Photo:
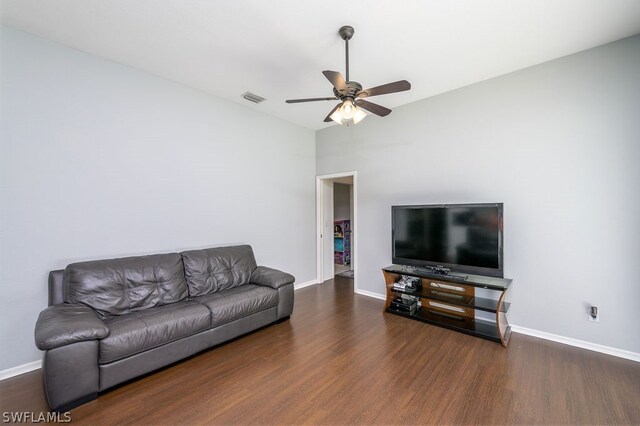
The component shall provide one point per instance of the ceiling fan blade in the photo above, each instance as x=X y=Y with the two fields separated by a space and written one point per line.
x=373 y=108
x=336 y=79
x=327 y=119
x=297 y=101
x=396 y=86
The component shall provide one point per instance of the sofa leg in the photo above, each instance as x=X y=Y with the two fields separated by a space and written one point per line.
x=281 y=320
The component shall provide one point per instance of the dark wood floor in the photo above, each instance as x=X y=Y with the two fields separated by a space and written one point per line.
x=340 y=360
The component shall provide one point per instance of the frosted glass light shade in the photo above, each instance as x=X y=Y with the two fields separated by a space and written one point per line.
x=336 y=116
x=347 y=110
x=359 y=115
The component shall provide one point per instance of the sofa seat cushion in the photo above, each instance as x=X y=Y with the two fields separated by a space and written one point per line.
x=140 y=331
x=238 y=302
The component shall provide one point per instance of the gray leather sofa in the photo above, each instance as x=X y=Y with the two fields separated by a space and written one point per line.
x=111 y=320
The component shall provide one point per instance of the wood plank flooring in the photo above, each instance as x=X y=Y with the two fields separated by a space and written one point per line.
x=340 y=360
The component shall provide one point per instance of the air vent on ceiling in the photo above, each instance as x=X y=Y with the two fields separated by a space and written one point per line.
x=253 y=98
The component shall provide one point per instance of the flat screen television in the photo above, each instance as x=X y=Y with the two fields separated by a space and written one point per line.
x=460 y=237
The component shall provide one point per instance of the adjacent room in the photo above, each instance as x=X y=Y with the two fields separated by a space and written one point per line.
x=278 y=213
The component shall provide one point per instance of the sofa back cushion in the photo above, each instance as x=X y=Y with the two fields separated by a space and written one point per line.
x=129 y=284
x=215 y=269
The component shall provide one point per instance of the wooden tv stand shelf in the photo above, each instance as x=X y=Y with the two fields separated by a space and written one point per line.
x=450 y=301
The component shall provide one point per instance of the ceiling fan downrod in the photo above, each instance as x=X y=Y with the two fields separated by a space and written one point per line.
x=346 y=33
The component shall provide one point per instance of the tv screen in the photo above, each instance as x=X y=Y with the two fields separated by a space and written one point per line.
x=460 y=237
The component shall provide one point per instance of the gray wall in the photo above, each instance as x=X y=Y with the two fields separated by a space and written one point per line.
x=99 y=160
x=559 y=144
x=341 y=202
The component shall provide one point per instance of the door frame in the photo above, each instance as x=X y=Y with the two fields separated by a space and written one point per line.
x=320 y=220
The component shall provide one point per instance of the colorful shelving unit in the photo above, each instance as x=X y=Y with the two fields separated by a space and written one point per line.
x=342 y=242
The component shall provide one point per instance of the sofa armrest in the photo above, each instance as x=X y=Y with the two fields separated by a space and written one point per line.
x=271 y=277
x=66 y=323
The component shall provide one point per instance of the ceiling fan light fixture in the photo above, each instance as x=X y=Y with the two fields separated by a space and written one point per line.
x=354 y=114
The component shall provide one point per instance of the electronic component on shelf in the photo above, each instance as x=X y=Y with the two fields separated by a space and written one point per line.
x=408 y=283
x=405 y=303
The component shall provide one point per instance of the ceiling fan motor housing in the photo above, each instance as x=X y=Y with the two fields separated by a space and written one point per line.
x=353 y=87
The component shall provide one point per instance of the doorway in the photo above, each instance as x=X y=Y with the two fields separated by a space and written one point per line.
x=336 y=197
x=342 y=220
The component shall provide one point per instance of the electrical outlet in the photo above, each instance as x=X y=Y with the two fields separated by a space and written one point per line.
x=594 y=314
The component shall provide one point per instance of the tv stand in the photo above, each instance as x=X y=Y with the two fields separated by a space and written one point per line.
x=449 y=300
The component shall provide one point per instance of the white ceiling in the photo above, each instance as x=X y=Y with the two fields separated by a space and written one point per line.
x=277 y=49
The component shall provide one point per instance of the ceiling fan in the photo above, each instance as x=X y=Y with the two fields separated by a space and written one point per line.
x=352 y=106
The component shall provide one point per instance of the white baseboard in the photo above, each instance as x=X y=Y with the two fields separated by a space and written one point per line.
x=20 y=369
x=371 y=294
x=633 y=356
x=621 y=353
x=305 y=284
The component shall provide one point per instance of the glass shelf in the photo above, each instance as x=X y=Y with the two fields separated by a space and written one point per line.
x=485 y=329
